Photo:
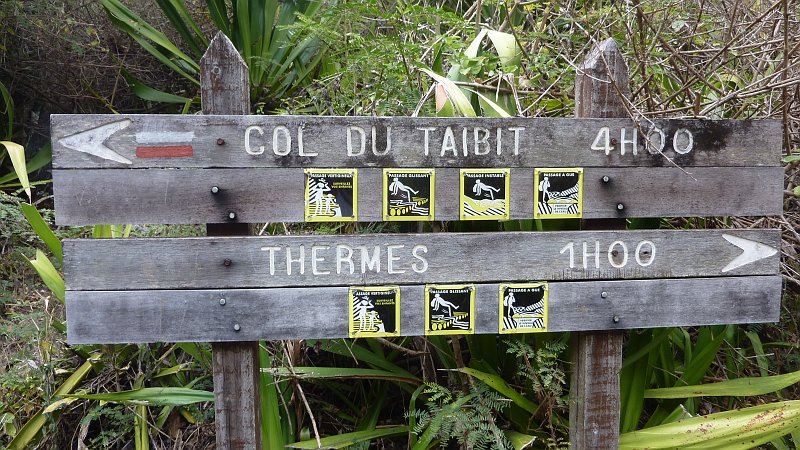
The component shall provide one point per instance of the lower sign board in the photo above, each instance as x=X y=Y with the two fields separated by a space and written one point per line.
x=249 y=288
x=216 y=315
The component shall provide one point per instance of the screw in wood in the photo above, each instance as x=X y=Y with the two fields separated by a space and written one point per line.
x=220 y=141
x=620 y=206
x=215 y=190
x=227 y=262
x=236 y=327
x=222 y=302
x=231 y=215
x=603 y=294
x=605 y=179
x=613 y=141
x=615 y=319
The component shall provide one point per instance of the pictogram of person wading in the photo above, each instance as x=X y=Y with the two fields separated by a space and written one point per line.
x=397 y=186
x=318 y=197
x=479 y=187
x=365 y=317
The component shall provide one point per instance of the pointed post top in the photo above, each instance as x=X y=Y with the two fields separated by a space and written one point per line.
x=224 y=79
x=221 y=42
x=602 y=82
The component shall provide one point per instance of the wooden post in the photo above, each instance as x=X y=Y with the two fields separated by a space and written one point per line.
x=600 y=85
x=226 y=90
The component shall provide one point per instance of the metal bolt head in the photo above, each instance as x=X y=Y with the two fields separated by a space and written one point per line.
x=220 y=141
x=222 y=302
x=227 y=262
x=236 y=327
x=231 y=215
x=604 y=294
x=215 y=189
x=620 y=206
x=613 y=141
x=605 y=179
x=615 y=319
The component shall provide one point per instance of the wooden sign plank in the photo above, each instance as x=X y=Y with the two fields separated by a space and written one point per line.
x=181 y=141
x=374 y=259
x=258 y=195
x=305 y=313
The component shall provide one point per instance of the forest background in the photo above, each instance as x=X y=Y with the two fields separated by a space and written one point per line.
x=733 y=59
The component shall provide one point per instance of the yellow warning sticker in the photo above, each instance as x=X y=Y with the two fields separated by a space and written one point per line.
x=558 y=193
x=374 y=311
x=523 y=308
x=408 y=194
x=484 y=194
x=331 y=195
x=449 y=309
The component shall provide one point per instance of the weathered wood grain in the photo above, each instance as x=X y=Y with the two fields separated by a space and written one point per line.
x=541 y=142
x=225 y=89
x=594 y=398
x=237 y=411
x=305 y=313
x=276 y=195
x=231 y=262
x=602 y=89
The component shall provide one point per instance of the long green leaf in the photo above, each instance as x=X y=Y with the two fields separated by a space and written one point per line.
x=454 y=93
x=275 y=427
x=519 y=440
x=42 y=158
x=43 y=230
x=360 y=353
x=758 y=349
x=342 y=372
x=8 y=101
x=28 y=432
x=739 y=387
x=730 y=430
x=475 y=45
x=138 y=27
x=17 y=154
x=699 y=363
x=268 y=16
x=218 y=11
x=182 y=21
x=41 y=263
x=499 y=384
x=347 y=439
x=656 y=338
x=494 y=108
x=244 y=28
x=155 y=42
x=146 y=92
x=506 y=46
x=176 y=396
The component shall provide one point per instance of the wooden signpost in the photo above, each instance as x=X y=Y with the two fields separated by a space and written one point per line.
x=231 y=170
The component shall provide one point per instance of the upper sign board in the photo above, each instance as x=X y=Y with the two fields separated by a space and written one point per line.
x=164 y=141
x=380 y=259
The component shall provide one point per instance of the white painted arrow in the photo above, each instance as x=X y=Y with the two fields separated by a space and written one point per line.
x=92 y=141
x=752 y=252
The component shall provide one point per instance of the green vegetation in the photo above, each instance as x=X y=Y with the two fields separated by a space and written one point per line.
x=704 y=387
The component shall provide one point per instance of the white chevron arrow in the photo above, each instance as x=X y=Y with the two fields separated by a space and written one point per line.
x=752 y=251
x=92 y=141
